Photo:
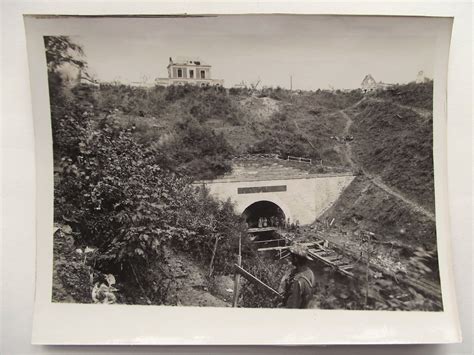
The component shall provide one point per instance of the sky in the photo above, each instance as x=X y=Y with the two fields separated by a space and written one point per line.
x=316 y=51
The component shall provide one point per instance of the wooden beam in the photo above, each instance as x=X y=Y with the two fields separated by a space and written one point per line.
x=255 y=280
x=269 y=240
x=258 y=230
x=274 y=248
x=235 y=299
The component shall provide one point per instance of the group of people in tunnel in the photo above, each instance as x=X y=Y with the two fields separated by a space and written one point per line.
x=278 y=222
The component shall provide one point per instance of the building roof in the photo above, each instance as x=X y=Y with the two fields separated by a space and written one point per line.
x=187 y=61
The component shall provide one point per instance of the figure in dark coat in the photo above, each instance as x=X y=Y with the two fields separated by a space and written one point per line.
x=301 y=283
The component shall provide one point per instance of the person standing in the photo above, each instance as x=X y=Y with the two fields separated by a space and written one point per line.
x=301 y=283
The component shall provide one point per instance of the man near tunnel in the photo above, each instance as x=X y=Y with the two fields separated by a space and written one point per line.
x=301 y=283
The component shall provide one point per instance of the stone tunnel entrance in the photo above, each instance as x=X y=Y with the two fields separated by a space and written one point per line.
x=259 y=209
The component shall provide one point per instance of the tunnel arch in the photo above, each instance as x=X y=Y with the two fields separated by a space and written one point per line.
x=264 y=208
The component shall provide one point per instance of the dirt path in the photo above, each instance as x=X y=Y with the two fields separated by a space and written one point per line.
x=190 y=287
x=413 y=205
x=421 y=112
x=376 y=180
x=348 y=147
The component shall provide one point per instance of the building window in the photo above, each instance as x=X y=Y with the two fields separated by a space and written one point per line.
x=203 y=74
x=180 y=73
x=191 y=74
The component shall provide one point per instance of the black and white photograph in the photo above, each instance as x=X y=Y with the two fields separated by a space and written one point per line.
x=236 y=177
x=250 y=161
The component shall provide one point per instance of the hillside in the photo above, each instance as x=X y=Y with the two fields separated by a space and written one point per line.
x=266 y=121
x=386 y=136
x=392 y=150
x=195 y=133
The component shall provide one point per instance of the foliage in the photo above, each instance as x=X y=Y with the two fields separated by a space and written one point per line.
x=396 y=144
x=131 y=100
x=198 y=151
x=271 y=272
x=122 y=199
x=71 y=277
x=61 y=50
x=105 y=292
x=126 y=200
x=412 y=94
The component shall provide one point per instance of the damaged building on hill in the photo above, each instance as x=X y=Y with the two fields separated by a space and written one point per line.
x=369 y=84
x=182 y=70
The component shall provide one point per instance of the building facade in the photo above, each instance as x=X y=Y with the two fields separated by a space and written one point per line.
x=192 y=71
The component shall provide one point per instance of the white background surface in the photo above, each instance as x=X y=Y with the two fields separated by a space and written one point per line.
x=18 y=179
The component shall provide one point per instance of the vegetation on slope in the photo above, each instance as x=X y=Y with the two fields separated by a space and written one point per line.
x=418 y=95
x=364 y=206
x=396 y=144
x=126 y=203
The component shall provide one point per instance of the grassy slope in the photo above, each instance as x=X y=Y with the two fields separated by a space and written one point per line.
x=302 y=126
x=391 y=140
x=396 y=144
x=269 y=121
x=363 y=206
x=412 y=94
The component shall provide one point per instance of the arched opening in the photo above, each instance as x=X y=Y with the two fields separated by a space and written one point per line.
x=259 y=209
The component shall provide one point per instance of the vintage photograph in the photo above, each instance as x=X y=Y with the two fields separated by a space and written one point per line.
x=252 y=161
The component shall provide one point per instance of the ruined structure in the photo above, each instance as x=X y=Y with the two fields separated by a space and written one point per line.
x=192 y=71
x=369 y=84
x=421 y=78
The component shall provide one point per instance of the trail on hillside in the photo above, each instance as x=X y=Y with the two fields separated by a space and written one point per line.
x=413 y=205
x=421 y=112
x=348 y=147
x=376 y=180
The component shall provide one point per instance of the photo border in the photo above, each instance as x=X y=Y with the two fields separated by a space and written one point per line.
x=161 y=324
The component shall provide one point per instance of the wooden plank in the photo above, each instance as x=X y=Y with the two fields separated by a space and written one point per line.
x=259 y=230
x=317 y=251
x=333 y=258
x=346 y=267
x=284 y=247
x=269 y=240
x=235 y=298
x=255 y=280
x=274 y=248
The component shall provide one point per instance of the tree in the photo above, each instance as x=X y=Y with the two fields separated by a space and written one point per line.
x=61 y=50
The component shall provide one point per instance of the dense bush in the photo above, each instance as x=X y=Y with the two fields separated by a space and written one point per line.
x=196 y=150
x=122 y=200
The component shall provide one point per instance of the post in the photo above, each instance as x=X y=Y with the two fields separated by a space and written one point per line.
x=211 y=265
x=367 y=271
x=237 y=275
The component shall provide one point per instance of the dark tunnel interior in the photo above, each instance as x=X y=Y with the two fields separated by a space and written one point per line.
x=262 y=209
